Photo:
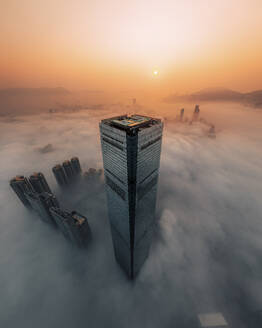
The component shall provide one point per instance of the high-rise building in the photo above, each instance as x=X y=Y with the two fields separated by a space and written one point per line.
x=196 y=113
x=39 y=183
x=182 y=111
x=212 y=132
x=42 y=203
x=76 y=165
x=21 y=186
x=68 y=170
x=131 y=147
x=74 y=226
x=59 y=174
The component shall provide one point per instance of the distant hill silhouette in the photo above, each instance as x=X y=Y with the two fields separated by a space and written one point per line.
x=30 y=100
x=219 y=94
x=33 y=91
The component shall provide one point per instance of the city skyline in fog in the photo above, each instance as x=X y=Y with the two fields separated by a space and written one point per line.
x=207 y=243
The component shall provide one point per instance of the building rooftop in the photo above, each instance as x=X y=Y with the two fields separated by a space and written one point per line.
x=79 y=219
x=57 y=167
x=18 y=178
x=132 y=122
x=35 y=175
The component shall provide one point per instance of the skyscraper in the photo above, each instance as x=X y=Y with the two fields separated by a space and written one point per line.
x=39 y=183
x=76 y=165
x=74 y=226
x=131 y=148
x=68 y=170
x=59 y=174
x=196 y=113
x=21 y=186
x=42 y=203
x=181 y=114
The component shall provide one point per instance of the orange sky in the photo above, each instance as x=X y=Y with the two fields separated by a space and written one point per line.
x=116 y=45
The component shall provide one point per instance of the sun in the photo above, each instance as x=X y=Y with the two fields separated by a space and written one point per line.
x=155 y=72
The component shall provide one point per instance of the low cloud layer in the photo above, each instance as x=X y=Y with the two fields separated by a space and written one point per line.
x=206 y=254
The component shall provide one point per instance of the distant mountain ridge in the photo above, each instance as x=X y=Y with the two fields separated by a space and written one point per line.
x=33 y=91
x=253 y=98
x=31 y=100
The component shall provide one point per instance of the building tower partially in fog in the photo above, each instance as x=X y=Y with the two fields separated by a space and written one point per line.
x=21 y=186
x=74 y=226
x=182 y=111
x=196 y=113
x=68 y=170
x=76 y=165
x=59 y=174
x=42 y=203
x=131 y=148
x=39 y=183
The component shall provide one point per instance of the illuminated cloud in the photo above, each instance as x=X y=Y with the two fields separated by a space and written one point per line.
x=207 y=243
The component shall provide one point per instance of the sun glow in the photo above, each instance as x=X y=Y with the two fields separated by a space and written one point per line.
x=155 y=72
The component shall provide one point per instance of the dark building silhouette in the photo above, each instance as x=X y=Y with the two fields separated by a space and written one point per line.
x=92 y=174
x=38 y=182
x=196 y=113
x=131 y=147
x=74 y=226
x=68 y=170
x=181 y=114
x=42 y=203
x=21 y=186
x=59 y=174
x=76 y=165
x=212 y=132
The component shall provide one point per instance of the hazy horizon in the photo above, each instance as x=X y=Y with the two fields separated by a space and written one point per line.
x=116 y=46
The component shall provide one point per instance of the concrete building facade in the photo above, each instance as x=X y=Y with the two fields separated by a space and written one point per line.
x=73 y=225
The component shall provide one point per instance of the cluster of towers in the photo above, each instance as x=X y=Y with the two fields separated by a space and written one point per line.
x=35 y=194
x=195 y=118
x=70 y=172
x=131 y=148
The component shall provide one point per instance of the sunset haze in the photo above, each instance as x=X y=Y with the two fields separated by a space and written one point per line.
x=118 y=45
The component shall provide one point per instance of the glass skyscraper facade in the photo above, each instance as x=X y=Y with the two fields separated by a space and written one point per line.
x=131 y=147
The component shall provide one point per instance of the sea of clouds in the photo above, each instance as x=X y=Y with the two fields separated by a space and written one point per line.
x=207 y=249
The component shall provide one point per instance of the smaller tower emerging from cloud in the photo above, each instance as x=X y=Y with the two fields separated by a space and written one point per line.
x=74 y=226
x=42 y=203
x=68 y=170
x=181 y=114
x=76 y=165
x=39 y=183
x=212 y=132
x=21 y=186
x=59 y=174
x=196 y=113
